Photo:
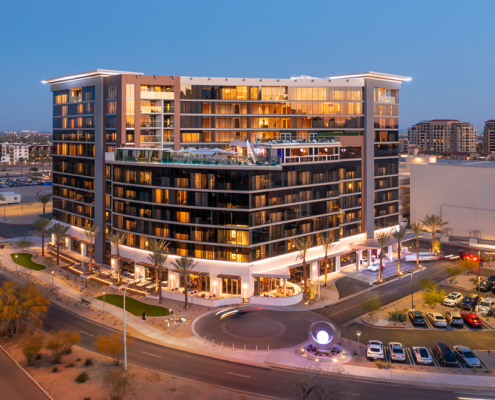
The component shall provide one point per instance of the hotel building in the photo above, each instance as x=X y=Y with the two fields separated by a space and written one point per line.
x=229 y=171
x=489 y=136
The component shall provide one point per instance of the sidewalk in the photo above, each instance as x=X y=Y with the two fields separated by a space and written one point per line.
x=289 y=358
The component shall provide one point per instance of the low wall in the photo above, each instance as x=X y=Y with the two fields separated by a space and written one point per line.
x=221 y=302
x=277 y=301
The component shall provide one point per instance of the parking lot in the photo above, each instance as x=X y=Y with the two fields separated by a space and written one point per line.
x=28 y=193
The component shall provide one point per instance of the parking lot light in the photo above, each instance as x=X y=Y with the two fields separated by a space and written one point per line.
x=358 y=333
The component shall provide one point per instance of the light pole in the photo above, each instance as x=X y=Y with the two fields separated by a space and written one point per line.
x=358 y=333
x=53 y=273
x=16 y=262
x=103 y=302
x=479 y=271
x=412 y=292
x=125 y=341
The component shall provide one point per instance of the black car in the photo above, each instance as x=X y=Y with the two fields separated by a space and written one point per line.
x=485 y=286
x=469 y=302
x=444 y=355
x=416 y=317
x=491 y=278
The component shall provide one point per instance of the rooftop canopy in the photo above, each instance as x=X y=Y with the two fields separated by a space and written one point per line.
x=371 y=244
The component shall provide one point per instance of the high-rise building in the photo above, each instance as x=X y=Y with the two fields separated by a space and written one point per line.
x=229 y=171
x=443 y=135
x=489 y=136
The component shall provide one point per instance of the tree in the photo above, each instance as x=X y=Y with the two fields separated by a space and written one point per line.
x=326 y=243
x=43 y=199
x=372 y=305
x=4 y=200
x=426 y=284
x=117 y=239
x=453 y=271
x=467 y=264
x=158 y=256
x=49 y=263
x=185 y=265
x=434 y=223
x=118 y=383
x=302 y=246
x=311 y=383
x=61 y=342
x=21 y=303
x=59 y=231
x=382 y=239
x=113 y=346
x=24 y=243
x=42 y=225
x=21 y=160
x=433 y=296
x=31 y=346
x=417 y=228
x=90 y=233
x=399 y=233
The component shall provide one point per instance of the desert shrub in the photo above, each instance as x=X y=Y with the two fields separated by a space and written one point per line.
x=70 y=365
x=31 y=346
x=88 y=362
x=380 y=364
x=39 y=356
x=55 y=369
x=82 y=378
x=398 y=315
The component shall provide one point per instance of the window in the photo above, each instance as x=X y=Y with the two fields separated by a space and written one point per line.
x=111 y=92
x=111 y=107
x=129 y=106
x=129 y=91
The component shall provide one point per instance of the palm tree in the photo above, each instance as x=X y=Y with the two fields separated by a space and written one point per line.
x=42 y=224
x=434 y=223
x=91 y=233
x=326 y=243
x=417 y=228
x=303 y=245
x=399 y=233
x=382 y=239
x=117 y=239
x=158 y=256
x=185 y=265
x=59 y=231
x=44 y=199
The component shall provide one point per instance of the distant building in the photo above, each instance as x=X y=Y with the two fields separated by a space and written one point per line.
x=13 y=152
x=37 y=147
x=403 y=145
x=489 y=136
x=443 y=135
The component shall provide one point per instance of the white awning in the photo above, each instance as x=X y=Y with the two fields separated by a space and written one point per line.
x=280 y=272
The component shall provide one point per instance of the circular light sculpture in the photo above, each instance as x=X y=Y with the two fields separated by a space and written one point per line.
x=322 y=335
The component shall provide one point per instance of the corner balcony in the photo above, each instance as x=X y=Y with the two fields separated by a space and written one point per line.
x=157 y=95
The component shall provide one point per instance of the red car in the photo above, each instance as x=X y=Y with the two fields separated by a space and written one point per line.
x=467 y=256
x=471 y=320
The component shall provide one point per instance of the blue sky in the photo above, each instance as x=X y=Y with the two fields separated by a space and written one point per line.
x=447 y=47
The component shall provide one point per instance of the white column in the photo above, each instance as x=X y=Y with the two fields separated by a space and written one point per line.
x=389 y=253
x=83 y=249
x=369 y=257
x=53 y=239
x=359 y=256
x=68 y=243
x=337 y=263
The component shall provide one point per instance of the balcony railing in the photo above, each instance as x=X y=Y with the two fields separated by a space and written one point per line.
x=168 y=125
x=151 y=110
x=168 y=110
x=151 y=124
x=386 y=99
x=150 y=139
x=158 y=95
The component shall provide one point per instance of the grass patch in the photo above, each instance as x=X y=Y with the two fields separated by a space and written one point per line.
x=135 y=307
x=24 y=260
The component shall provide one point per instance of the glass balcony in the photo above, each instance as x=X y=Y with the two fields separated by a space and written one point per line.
x=151 y=124
x=386 y=99
x=157 y=95
x=168 y=110
x=151 y=110
x=150 y=139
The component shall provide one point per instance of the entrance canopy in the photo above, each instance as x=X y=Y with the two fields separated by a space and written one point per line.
x=281 y=273
x=372 y=244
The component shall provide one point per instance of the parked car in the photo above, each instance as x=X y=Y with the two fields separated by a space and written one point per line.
x=416 y=317
x=486 y=305
x=374 y=350
x=422 y=355
x=397 y=352
x=467 y=356
x=491 y=278
x=469 y=302
x=454 y=318
x=485 y=286
x=472 y=320
x=444 y=355
x=436 y=319
x=453 y=299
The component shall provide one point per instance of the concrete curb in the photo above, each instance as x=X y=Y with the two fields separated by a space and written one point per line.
x=454 y=286
x=29 y=376
x=384 y=327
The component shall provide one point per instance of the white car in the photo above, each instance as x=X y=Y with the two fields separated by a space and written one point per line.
x=374 y=267
x=422 y=355
x=374 y=350
x=425 y=256
x=436 y=319
x=486 y=304
x=397 y=352
x=467 y=356
x=453 y=299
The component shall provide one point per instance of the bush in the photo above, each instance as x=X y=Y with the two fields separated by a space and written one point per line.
x=70 y=365
x=82 y=378
x=61 y=343
x=67 y=351
x=433 y=296
x=31 y=346
x=88 y=362
x=55 y=369
x=372 y=305
x=398 y=315
x=39 y=356
x=380 y=364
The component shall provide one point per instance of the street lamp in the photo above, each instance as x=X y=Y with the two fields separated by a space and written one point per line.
x=479 y=272
x=53 y=273
x=358 y=333
x=103 y=302
x=125 y=341
x=16 y=262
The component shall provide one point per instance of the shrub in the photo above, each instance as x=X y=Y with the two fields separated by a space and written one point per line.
x=31 y=346
x=61 y=343
x=88 y=362
x=55 y=369
x=118 y=383
x=398 y=315
x=433 y=296
x=82 y=378
x=70 y=365
x=380 y=364
x=113 y=346
x=372 y=305
x=39 y=356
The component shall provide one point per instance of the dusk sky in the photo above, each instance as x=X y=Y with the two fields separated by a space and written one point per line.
x=447 y=47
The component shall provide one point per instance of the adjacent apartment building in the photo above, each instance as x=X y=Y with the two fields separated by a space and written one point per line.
x=229 y=171
x=443 y=135
x=13 y=152
x=489 y=136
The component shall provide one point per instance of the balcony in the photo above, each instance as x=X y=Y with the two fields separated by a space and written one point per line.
x=386 y=99
x=150 y=139
x=157 y=95
x=151 y=110
x=168 y=125
x=151 y=124
x=168 y=110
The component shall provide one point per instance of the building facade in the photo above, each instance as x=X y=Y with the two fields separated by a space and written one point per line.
x=14 y=152
x=442 y=135
x=229 y=171
x=489 y=136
